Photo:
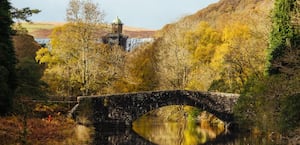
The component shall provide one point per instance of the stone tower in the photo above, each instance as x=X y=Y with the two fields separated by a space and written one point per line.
x=117 y=26
x=116 y=37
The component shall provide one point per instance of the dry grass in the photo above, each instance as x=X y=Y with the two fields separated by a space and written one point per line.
x=37 y=128
x=44 y=29
x=37 y=131
x=41 y=25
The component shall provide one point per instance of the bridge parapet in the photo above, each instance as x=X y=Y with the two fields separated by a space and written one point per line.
x=227 y=100
x=125 y=108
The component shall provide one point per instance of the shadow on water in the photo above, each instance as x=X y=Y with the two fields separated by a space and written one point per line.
x=115 y=134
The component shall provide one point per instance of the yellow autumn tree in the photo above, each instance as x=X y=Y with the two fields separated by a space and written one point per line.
x=202 y=43
x=140 y=71
x=66 y=68
x=241 y=56
x=185 y=57
x=77 y=64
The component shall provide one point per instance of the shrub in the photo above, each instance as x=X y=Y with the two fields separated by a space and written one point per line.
x=290 y=112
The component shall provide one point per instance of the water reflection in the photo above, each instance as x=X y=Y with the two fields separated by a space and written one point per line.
x=84 y=134
x=192 y=131
x=174 y=126
x=112 y=134
x=120 y=135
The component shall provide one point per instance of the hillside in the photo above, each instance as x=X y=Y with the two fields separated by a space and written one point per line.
x=221 y=38
x=41 y=29
x=44 y=29
x=224 y=12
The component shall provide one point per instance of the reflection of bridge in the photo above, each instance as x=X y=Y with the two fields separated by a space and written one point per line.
x=125 y=108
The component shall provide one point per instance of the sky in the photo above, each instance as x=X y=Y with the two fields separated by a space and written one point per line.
x=151 y=14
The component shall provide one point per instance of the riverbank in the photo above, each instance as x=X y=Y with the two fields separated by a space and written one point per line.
x=40 y=129
x=39 y=123
x=37 y=131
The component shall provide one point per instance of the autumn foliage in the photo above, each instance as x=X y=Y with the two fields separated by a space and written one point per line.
x=223 y=48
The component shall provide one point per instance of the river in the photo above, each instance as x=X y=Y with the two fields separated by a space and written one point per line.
x=152 y=129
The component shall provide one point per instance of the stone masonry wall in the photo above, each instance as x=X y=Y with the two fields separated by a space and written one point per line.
x=125 y=108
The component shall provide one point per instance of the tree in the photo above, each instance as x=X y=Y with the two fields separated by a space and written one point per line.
x=29 y=72
x=174 y=61
x=242 y=54
x=295 y=19
x=67 y=73
x=185 y=58
x=86 y=16
x=7 y=59
x=202 y=42
x=270 y=103
x=23 y=14
x=246 y=56
x=284 y=33
x=77 y=64
x=140 y=70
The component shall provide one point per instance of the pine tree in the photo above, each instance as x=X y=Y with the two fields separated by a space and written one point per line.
x=7 y=59
x=283 y=34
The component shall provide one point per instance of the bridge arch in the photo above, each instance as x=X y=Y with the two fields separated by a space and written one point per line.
x=126 y=108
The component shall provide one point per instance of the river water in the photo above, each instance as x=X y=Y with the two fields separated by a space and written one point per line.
x=170 y=134
x=152 y=130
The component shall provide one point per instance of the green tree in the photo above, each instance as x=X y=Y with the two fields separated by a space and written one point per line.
x=23 y=14
x=271 y=103
x=7 y=59
x=284 y=33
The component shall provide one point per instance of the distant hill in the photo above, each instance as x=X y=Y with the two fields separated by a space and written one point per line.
x=218 y=15
x=225 y=11
x=44 y=29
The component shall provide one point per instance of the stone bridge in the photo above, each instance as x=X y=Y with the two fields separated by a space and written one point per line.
x=125 y=108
